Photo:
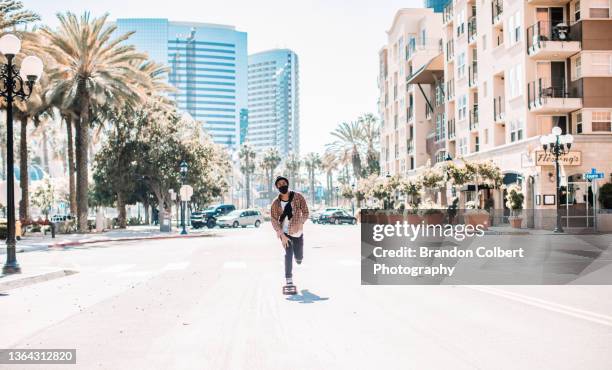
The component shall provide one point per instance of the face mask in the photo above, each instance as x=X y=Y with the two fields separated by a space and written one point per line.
x=283 y=189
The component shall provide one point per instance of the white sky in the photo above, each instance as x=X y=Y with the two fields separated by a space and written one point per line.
x=337 y=42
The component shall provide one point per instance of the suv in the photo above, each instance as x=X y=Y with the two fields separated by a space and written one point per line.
x=208 y=217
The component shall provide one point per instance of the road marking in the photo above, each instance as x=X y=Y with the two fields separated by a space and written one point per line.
x=176 y=266
x=234 y=265
x=547 y=305
x=117 y=268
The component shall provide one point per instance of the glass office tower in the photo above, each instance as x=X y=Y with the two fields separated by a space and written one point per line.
x=208 y=67
x=436 y=5
x=274 y=101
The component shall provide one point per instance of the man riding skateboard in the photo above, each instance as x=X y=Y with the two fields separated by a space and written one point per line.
x=288 y=213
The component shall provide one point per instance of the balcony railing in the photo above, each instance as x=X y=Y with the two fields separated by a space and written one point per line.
x=447 y=13
x=497 y=8
x=472 y=29
x=451 y=128
x=473 y=74
x=539 y=91
x=410 y=113
x=474 y=118
x=498 y=109
x=450 y=89
x=543 y=31
x=450 y=50
x=410 y=146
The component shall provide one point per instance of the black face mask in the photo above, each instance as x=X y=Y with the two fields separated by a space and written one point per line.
x=283 y=189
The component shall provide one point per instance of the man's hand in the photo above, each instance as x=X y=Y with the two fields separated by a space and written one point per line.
x=284 y=240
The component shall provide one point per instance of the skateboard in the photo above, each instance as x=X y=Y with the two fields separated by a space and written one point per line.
x=289 y=289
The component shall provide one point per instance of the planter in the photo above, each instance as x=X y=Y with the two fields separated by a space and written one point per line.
x=414 y=219
x=516 y=222
x=434 y=219
x=477 y=218
x=395 y=217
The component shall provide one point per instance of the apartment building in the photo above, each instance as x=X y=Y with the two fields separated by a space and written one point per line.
x=413 y=40
x=512 y=71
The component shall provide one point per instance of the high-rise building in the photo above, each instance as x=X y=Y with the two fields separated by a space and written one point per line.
x=274 y=101
x=436 y=5
x=208 y=67
x=506 y=74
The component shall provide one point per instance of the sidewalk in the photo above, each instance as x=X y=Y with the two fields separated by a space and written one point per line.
x=37 y=242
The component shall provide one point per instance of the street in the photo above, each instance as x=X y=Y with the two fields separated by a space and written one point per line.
x=216 y=303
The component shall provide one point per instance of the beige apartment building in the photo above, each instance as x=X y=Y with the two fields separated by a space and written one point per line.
x=513 y=70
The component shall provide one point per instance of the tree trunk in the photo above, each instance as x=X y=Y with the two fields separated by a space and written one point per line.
x=122 y=218
x=45 y=150
x=71 y=167
x=24 y=203
x=82 y=172
x=147 y=220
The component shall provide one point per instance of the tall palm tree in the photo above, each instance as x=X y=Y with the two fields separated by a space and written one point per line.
x=312 y=162
x=292 y=169
x=349 y=139
x=270 y=160
x=12 y=14
x=92 y=68
x=370 y=135
x=329 y=164
x=247 y=167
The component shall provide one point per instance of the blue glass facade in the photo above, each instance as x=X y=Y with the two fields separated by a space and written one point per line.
x=208 y=67
x=436 y=5
x=274 y=101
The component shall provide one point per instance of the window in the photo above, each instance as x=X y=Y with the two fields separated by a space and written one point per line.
x=440 y=127
x=577 y=11
x=441 y=156
x=515 y=29
x=578 y=123
x=461 y=65
x=461 y=23
x=463 y=146
x=601 y=122
x=462 y=110
x=515 y=81
x=599 y=9
x=578 y=67
x=516 y=131
x=476 y=143
x=600 y=63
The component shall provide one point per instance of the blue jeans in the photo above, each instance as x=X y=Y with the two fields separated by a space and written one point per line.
x=295 y=247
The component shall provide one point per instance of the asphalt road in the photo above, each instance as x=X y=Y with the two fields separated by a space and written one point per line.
x=216 y=303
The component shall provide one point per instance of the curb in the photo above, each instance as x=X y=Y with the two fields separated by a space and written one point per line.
x=29 y=280
x=129 y=239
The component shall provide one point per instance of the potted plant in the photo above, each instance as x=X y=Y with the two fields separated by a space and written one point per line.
x=514 y=201
x=432 y=214
x=476 y=216
x=380 y=192
x=411 y=190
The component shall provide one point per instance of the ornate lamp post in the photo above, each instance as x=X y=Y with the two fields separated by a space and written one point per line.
x=557 y=145
x=353 y=198
x=337 y=188
x=183 y=169
x=16 y=83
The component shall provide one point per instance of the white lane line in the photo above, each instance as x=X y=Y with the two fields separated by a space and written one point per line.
x=176 y=266
x=547 y=305
x=118 y=268
x=234 y=265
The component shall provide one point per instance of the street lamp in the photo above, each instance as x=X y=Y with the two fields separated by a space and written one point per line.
x=183 y=169
x=17 y=82
x=557 y=145
x=353 y=198
x=337 y=196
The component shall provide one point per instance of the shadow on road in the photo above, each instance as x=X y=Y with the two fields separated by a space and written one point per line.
x=306 y=297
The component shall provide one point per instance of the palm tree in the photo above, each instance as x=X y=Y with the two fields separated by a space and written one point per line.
x=312 y=162
x=329 y=164
x=247 y=167
x=292 y=169
x=370 y=135
x=12 y=14
x=349 y=140
x=270 y=160
x=92 y=68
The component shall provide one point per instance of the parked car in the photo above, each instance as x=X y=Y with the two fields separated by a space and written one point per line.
x=337 y=217
x=316 y=215
x=242 y=217
x=209 y=216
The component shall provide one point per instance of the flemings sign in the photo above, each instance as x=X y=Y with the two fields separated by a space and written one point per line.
x=573 y=158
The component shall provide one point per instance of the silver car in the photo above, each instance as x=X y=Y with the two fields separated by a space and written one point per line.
x=241 y=217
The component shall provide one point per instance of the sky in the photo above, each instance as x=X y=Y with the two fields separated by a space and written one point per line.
x=337 y=42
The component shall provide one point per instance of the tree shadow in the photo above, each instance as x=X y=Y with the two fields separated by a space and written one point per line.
x=306 y=297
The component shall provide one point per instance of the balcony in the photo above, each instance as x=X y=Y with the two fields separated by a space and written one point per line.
x=548 y=2
x=429 y=46
x=498 y=110
x=544 y=97
x=546 y=41
x=497 y=9
x=447 y=13
x=474 y=118
x=472 y=29
x=473 y=75
x=451 y=129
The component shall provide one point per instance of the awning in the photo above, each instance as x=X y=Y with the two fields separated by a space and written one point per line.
x=428 y=73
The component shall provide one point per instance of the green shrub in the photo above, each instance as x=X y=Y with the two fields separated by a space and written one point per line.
x=605 y=196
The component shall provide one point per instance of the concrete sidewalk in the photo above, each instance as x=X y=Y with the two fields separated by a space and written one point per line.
x=38 y=242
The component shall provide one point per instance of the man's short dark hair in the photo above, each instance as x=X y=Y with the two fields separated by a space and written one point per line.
x=279 y=178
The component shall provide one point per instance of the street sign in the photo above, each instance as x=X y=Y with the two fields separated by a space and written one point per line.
x=186 y=193
x=593 y=175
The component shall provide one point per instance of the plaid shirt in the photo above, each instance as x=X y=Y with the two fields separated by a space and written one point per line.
x=300 y=214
